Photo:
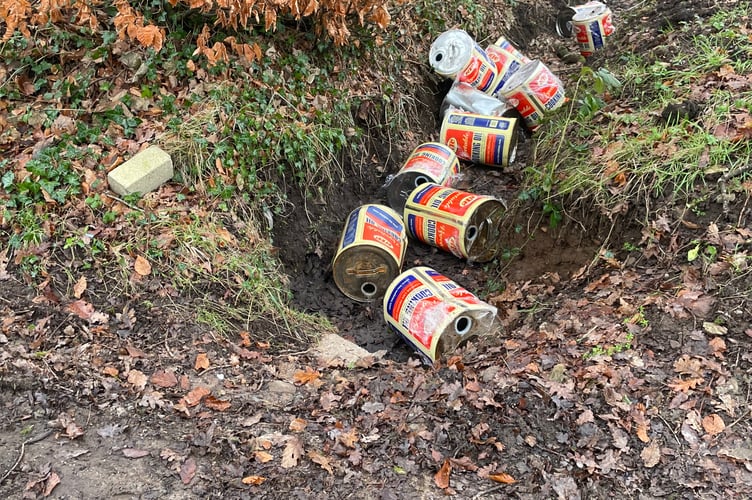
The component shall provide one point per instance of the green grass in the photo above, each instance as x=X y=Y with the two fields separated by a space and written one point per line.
x=609 y=155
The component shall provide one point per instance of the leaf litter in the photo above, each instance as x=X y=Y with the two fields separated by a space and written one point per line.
x=605 y=387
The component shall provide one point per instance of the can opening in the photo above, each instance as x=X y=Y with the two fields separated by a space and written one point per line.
x=438 y=57
x=462 y=325
x=368 y=289
x=421 y=179
x=471 y=233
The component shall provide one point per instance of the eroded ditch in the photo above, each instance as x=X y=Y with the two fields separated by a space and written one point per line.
x=530 y=249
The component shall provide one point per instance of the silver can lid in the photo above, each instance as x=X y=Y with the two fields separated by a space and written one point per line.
x=589 y=12
x=450 y=52
x=521 y=76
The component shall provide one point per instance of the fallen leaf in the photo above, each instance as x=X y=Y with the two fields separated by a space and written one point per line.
x=111 y=371
x=142 y=266
x=651 y=455
x=685 y=385
x=52 y=481
x=80 y=287
x=740 y=453
x=263 y=457
x=195 y=396
x=188 y=470
x=642 y=432
x=320 y=459
x=303 y=377
x=349 y=438
x=134 y=453
x=216 y=404
x=292 y=452
x=713 y=424
x=585 y=417
x=441 y=478
x=73 y=430
x=253 y=480
x=718 y=345
x=502 y=477
x=202 y=362
x=714 y=329
x=137 y=379
x=298 y=425
x=135 y=352
x=164 y=379
x=81 y=308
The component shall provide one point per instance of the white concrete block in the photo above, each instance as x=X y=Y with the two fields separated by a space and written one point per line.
x=143 y=173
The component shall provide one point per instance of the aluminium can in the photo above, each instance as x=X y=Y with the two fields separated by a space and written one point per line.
x=431 y=162
x=433 y=314
x=485 y=139
x=455 y=55
x=464 y=224
x=370 y=253
x=535 y=91
x=565 y=15
x=591 y=27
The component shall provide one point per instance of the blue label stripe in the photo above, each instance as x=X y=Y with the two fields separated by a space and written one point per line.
x=411 y=225
x=386 y=218
x=420 y=195
x=595 y=31
x=438 y=149
x=403 y=283
x=351 y=229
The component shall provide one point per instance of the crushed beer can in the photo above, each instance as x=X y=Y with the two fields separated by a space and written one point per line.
x=455 y=55
x=483 y=139
x=433 y=314
x=535 y=91
x=431 y=162
x=464 y=224
x=564 y=17
x=370 y=253
x=591 y=26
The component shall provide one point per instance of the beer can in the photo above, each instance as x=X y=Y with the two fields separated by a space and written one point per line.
x=484 y=139
x=507 y=63
x=535 y=91
x=430 y=162
x=591 y=27
x=370 y=252
x=464 y=224
x=433 y=314
x=565 y=15
x=454 y=54
x=507 y=46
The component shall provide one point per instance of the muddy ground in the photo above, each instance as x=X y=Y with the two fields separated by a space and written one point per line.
x=122 y=412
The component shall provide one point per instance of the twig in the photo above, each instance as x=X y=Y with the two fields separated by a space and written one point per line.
x=21 y=453
x=129 y=205
x=211 y=368
x=489 y=490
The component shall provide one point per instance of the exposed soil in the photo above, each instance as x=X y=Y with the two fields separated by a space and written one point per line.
x=521 y=401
